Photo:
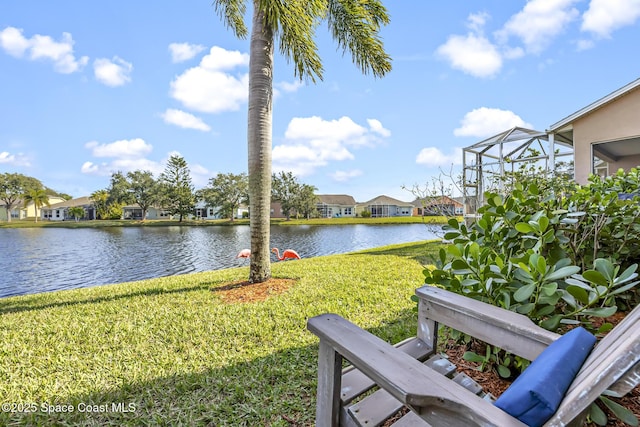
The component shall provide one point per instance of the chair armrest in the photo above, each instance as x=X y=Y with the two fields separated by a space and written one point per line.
x=429 y=394
x=503 y=328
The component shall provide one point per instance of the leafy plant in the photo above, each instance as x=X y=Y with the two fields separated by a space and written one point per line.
x=599 y=417
x=520 y=254
x=516 y=255
x=493 y=356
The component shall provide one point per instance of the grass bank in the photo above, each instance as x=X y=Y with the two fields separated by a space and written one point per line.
x=173 y=351
x=220 y=222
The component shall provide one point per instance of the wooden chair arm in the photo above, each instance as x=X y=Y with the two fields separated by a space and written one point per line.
x=430 y=395
x=503 y=328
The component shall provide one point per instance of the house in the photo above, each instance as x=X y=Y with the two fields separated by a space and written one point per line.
x=60 y=211
x=276 y=210
x=336 y=205
x=441 y=205
x=600 y=139
x=20 y=211
x=385 y=206
x=605 y=134
x=203 y=211
x=134 y=212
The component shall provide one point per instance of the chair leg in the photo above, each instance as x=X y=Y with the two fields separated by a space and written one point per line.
x=329 y=386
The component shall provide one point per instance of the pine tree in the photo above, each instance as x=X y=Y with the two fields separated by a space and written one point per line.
x=178 y=191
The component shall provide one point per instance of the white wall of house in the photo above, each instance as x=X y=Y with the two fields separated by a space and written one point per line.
x=336 y=211
x=57 y=214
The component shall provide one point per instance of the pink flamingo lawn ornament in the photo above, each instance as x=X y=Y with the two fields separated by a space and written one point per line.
x=287 y=254
x=245 y=253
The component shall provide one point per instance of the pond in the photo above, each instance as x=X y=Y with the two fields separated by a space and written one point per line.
x=47 y=259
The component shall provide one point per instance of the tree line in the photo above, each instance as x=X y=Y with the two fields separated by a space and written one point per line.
x=20 y=190
x=172 y=191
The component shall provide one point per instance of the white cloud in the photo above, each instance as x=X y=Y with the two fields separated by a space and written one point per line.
x=472 y=54
x=112 y=72
x=484 y=122
x=343 y=176
x=121 y=165
x=40 y=47
x=539 y=22
x=125 y=148
x=377 y=127
x=14 y=159
x=289 y=86
x=312 y=142
x=477 y=21
x=184 y=120
x=208 y=87
x=222 y=59
x=199 y=175
x=605 y=16
x=433 y=156
x=130 y=155
x=181 y=52
x=584 y=44
x=13 y=42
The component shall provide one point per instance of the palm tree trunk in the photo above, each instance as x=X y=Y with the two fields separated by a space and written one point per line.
x=259 y=144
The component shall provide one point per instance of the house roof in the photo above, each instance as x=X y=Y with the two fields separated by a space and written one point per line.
x=567 y=121
x=439 y=200
x=336 y=199
x=80 y=201
x=386 y=200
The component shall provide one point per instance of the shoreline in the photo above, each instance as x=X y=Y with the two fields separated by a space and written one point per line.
x=221 y=222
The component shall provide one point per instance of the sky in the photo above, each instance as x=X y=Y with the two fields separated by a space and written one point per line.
x=88 y=89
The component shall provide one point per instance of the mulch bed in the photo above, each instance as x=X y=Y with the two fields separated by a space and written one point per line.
x=245 y=292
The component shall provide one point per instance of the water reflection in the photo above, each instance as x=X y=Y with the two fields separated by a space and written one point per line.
x=39 y=260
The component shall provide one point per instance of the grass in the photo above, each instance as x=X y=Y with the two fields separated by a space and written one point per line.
x=220 y=222
x=173 y=352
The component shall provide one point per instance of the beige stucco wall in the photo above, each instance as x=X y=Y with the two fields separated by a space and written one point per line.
x=618 y=120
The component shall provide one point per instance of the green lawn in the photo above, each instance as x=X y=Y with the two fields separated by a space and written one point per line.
x=172 y=352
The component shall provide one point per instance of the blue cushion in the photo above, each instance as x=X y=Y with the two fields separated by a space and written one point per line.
x=536 y=394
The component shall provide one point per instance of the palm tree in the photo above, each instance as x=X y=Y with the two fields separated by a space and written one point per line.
x=38 y=197
x=76 y=212
x=99 y=199
x=354 y=25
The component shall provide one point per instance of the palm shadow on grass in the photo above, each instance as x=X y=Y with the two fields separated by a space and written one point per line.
x=277 y=389
x=13 y=305
x=423 y=252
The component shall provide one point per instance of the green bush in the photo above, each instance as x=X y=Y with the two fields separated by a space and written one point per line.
x=557 y=252
x=606 y=226
x=525 y=250
x=517 y=260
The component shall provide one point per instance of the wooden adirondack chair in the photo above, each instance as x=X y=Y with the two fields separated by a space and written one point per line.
x=400 y=379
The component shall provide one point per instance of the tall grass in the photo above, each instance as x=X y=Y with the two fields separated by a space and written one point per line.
x=171 y=351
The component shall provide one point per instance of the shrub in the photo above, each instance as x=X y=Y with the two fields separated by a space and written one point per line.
x=610 y=225
x=525 y=252
x=517 y=260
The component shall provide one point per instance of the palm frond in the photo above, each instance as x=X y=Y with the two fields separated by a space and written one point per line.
x=232 y=14
x=355 y=25
x=294 y=23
